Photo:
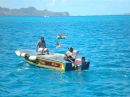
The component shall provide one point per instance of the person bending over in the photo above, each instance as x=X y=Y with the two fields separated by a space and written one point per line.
x=70 y=55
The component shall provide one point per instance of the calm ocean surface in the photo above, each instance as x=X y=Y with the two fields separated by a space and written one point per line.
x=103 y=40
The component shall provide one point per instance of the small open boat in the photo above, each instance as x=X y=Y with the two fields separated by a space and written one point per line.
x=61 y=36
x=53 y=60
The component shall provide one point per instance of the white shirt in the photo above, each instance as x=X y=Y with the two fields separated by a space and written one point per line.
x=72 y=54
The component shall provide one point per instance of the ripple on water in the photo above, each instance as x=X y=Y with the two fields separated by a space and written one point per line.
x=104 y=40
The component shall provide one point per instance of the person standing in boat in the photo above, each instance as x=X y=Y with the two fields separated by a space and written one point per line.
x=41 y=47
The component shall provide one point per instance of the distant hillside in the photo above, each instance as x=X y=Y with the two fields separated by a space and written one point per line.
x=127 y=14
x=30 y=11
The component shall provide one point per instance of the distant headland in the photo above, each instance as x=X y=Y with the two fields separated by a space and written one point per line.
x=127 y=14
x=30 y=11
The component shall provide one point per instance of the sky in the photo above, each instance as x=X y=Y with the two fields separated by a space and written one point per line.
x=74 y=7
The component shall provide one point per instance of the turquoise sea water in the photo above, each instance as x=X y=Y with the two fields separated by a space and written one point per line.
x=103 y=40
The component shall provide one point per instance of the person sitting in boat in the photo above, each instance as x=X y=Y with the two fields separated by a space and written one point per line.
x=70 y=55
x=41 y=47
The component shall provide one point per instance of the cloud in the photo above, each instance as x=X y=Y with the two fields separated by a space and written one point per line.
x=55 y=2
x=52 y=2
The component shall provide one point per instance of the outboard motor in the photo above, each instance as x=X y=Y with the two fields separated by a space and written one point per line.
x=83 y=60
x=79 y=66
